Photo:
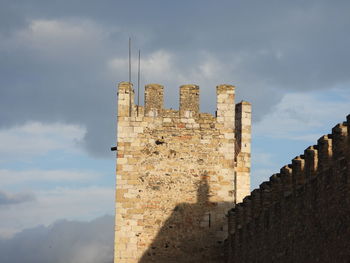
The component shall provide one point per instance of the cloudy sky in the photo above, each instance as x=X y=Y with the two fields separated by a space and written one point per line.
x=60 y=62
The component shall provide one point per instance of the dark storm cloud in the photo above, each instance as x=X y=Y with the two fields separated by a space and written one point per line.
x=52 y=71
x=11 y=199
x=64 y=241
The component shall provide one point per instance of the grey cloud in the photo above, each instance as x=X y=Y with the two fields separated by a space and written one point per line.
x=265 y=48
x=64 y=241
x=11 y=199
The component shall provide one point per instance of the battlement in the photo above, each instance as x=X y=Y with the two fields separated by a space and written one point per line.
x=330 y=150
x=154 y=100
x=313 y=187
x=189 y=101
x=188 y=112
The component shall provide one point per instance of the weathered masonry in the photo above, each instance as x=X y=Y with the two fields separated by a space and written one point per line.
x=302 y=214
x=178 y=173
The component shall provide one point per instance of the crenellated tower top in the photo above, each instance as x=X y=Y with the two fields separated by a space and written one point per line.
x=188 y=103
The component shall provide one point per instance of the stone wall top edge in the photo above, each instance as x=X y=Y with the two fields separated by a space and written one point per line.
x=225 y=87
x=189 y=86
x=173 y=117
x=243 y=102
x=154 y=85
x=304 y=168
x=125 y=83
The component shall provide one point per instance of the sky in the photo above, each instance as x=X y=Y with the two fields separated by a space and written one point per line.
x=60 y=62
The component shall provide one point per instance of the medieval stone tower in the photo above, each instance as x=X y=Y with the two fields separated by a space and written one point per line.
x=178 y=174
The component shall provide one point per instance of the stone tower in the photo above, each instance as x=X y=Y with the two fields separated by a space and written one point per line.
x=178 y=173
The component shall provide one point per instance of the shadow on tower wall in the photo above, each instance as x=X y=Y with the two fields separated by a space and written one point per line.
x=192 y=233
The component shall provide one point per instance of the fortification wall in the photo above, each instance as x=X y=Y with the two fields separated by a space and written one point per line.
x=176 y=175
x=302 y=214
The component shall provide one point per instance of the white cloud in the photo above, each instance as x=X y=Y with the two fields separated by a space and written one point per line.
x=11 y=177
x=15 y=198
x=57 y=37
x=302 y=116
x=35 y=138
x=155 y=67
x=162 y=66
x=64 y=241
x=32 y=140
x=53 y=204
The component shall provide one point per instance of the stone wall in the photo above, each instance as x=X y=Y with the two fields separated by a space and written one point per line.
x=302 y=214
x=177 y=174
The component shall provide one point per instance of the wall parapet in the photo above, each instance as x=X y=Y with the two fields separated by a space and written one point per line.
x=188 y=116
x=302 y=213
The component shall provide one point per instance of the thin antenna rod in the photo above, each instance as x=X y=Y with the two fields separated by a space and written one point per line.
x=129 y=59
x=130 y=90
x=138 y=84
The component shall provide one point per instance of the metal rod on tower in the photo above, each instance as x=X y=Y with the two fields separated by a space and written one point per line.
x=130 y=90
x=138 y=84
x=130 y=60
